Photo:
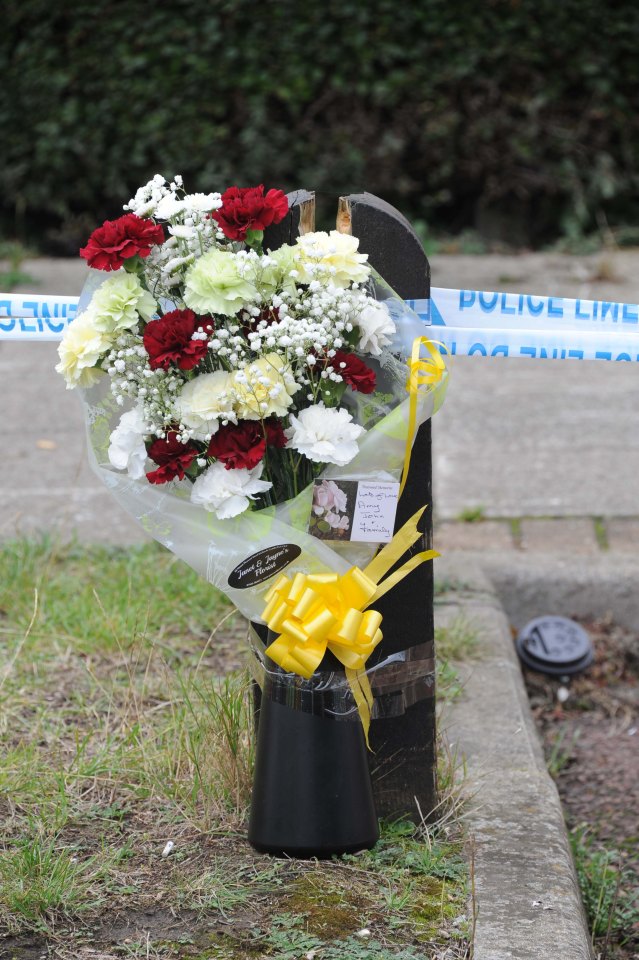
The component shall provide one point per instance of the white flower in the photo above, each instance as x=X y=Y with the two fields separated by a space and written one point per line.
x=203 y=202
x=182 y=232
x=169 y=206
x=376 y=328
x=227 y=492
x=324 y=434
x=205 y=400
x=79 y=351
x=127 y=450
x=119 y=302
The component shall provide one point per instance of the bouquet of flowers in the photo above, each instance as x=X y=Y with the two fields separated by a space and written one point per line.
x=221 y=380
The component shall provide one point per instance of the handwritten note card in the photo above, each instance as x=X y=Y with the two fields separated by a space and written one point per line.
x=375 y=509
x=353 y=510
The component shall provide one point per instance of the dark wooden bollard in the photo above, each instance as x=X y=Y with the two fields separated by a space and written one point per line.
x=403 y=758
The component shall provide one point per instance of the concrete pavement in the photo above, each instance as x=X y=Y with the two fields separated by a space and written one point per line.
x=518 y=441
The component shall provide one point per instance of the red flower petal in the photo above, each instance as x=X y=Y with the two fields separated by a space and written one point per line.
x=168 y=340
x=355 y=372
x=118 y=240
x=172 y=456
x=247 y=208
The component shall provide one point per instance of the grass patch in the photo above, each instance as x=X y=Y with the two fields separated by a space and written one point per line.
x=601 y=532
x=472 y=514
x=124 y=724
x=457 y=640
x=605 y=887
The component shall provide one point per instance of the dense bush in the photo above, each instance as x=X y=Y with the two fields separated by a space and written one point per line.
x=514 y=116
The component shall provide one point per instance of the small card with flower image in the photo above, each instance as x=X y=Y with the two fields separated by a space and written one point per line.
x=359 y=510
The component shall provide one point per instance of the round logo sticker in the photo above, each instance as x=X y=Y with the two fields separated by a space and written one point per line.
x=262 y=565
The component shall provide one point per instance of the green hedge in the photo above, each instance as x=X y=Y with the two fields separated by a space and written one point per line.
x=516 y=117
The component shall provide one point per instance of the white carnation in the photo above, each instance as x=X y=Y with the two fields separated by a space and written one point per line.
x=324 y=434
x=376 y=328
x=226 y=493
x=127 y=450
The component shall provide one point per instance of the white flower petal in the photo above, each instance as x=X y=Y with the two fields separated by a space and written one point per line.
x=127 y=450
x=325 y=434
x=376 y=328
x=227 y=492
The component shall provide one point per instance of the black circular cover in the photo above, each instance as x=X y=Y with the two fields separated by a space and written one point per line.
x=555 y=645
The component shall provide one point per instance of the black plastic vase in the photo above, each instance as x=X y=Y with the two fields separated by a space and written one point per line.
x=312 y=793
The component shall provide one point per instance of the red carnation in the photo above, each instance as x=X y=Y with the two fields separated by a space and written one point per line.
x=118 y=240
x=247 y=208
x=172 y=456
x=275 y=436
x=354 y=372
x=244 y=444
x=168 y=340
x=239 y=445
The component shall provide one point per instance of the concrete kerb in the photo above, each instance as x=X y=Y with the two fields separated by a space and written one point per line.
x=527 y=897
x=531 y=586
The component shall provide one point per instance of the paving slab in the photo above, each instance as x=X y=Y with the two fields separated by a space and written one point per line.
x=571 y=536
x=623 y=534
x=527 y=896
x=485 y=535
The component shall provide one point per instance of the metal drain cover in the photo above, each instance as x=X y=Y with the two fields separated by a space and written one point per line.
x=554 y=645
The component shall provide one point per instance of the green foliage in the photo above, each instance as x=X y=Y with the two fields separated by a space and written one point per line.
x=610 y=904
x=515 y=118
x=472 y=514
x=12 y=255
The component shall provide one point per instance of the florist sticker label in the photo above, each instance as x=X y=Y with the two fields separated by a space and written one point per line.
x=361 y=510
x=262 y=565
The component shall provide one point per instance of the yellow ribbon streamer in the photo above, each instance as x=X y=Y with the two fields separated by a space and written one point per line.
x=422 y=372
x=315 y=612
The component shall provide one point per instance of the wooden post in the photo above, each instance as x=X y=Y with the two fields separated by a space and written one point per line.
x=403 y=761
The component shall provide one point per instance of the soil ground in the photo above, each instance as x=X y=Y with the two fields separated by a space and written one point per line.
x=591 y=740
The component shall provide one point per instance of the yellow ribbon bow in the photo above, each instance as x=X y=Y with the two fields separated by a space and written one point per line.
x=315 y=612
x=422 y=372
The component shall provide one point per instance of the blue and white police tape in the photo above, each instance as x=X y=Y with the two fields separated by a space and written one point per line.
x=28 y=316
x=467 y=322
x=512 y=311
